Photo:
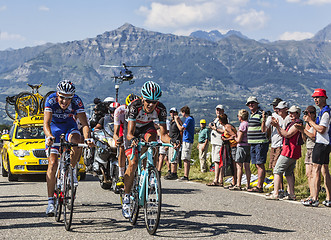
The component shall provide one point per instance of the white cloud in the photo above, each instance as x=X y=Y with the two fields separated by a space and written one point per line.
x=3 y=8
x=8 y=36
x=318 y=2
x=161 y=15
x=295 y=36
x=252 y=19
x=43 y=8
x=293 y=1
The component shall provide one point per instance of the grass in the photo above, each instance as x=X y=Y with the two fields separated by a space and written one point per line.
x=301 y=184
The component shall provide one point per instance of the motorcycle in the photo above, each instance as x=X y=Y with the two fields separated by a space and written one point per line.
x=105 y=165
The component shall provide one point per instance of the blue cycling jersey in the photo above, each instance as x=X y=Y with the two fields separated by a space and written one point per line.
x=63 y=116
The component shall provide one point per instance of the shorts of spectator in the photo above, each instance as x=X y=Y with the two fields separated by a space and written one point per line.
x=215 y=153
x=259 y=153
x=243 y=154
x=186 y=150
x=274 y=155
x=285 y=165
x=163 y=150
x=171 y=152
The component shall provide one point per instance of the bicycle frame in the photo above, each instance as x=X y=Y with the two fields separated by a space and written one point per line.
x=143 y=175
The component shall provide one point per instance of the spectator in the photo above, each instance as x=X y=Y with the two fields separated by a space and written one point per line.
x=228 y=150
x=203 y=145
x=174 y=133
x=308 y=134
x=276 y=139
x=216 y=143
x=188 y=138
x=291 y=151
x=163 y=151
x=321 y=149
x=258 y=140
x=243 y=156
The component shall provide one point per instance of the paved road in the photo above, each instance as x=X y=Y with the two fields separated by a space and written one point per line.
x=189 y=210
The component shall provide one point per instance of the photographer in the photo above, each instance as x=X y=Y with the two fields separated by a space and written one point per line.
x=216 y=143
x=99 y=111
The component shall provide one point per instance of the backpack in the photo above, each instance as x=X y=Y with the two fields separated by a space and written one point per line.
x=318 y=119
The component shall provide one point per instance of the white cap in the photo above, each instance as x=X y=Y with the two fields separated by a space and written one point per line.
x=282 y=105
x=295 y=109
x=173 y=109
x=220 y=106
x=109 y=99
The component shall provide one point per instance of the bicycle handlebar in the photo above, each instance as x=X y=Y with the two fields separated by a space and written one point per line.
x=70 y=144
x=153 y=144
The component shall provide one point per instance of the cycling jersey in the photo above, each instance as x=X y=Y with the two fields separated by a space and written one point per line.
x=63 y=121
x=137 y=113
x=63 y=116
x=119 y=114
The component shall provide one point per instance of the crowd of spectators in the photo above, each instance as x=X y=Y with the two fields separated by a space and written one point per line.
x=235 y=149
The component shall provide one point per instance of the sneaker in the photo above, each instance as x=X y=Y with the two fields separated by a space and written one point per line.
x=310 y=202
x=50 y=210
x=327 y=203
x=184 y=178
x=289 y=197
x=120 y=182
x=126 y=206
x=172 y=176
x=167 y=175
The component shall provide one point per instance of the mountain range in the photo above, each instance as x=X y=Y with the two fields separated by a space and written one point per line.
x=193 y=70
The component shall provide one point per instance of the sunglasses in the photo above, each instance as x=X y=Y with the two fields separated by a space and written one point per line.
x=65 y=97
x=150 y=101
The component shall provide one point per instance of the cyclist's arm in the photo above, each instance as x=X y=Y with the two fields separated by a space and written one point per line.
x=116 y=132
x=164 y=133
x=85 y=127
x=47 y=124
x=131 y=130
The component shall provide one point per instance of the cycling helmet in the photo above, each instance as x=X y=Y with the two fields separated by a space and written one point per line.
x=66 y=87
x=131 y=97
x=113 y=106
x=151 y=91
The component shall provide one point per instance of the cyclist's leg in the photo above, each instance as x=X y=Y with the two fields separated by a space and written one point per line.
x=74 y=136
x=130 y=171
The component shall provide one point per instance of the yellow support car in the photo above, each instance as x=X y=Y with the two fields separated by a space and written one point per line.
x=23 y=149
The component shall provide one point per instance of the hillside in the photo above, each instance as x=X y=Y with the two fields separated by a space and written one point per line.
x=192 y=71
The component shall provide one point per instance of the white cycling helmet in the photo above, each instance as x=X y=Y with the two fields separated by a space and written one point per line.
x=66 y=87
x=109 y=99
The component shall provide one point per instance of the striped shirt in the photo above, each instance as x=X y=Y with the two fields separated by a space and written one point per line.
x=254 y=133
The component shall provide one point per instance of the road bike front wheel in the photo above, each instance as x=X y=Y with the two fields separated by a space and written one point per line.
x=153 y=201
x=69 y=197
x=10 y=109
x=134 y=200
x=58 y=197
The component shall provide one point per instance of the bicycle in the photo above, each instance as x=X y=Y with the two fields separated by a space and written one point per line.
x=146 y=190
x=31 y=103
x=65 y=190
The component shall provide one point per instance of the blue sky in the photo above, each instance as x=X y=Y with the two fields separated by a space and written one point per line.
x=29 y=23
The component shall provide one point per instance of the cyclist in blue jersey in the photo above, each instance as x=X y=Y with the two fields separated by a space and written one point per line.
x=61 y=110
x=141 y=114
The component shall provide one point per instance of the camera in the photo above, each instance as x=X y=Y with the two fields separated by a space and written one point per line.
x=212 y=124
x=305 y=112
x=267 y=113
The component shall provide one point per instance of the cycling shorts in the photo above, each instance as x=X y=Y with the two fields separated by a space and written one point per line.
x=59 y=128
x=139 y=132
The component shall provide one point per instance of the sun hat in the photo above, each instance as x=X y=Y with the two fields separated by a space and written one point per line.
x=294 y=109
x=276 y=101
x=319 y=92
x=282 y=105
x=173 y=109
x=203 y=121
x=219 y=106
x=251 y=99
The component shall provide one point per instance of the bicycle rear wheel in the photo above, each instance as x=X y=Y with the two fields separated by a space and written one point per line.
x=69 y=197
x=134 y=201
x=26 y=104
x=152 y=205
x=10 y=110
